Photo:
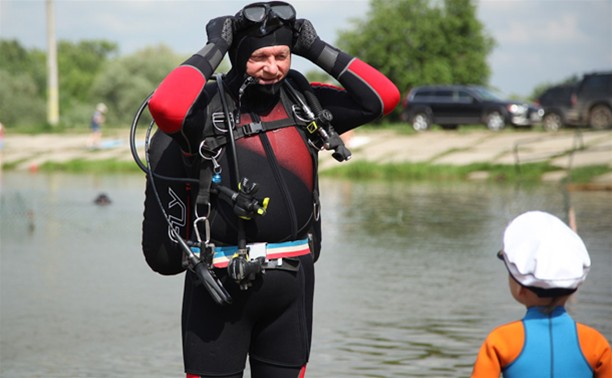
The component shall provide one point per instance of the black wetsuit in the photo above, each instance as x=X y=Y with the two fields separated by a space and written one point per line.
x=272 y=320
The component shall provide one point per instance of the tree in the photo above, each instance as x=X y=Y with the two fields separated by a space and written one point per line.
x=469 y=44
x=79 y=63
x=125 y=82
x=24 y=80
x=417 y=42
x=22 y=84
x=20 y=102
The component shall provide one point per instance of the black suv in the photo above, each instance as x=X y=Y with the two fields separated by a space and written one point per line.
x=592 y=102
x=452 y=105
x=556 y=102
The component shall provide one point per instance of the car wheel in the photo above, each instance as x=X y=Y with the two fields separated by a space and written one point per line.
x=600 y=117
x=421 y=122
x=552 y=122
x=495 y=121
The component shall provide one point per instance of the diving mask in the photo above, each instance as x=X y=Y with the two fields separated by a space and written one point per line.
x=269 y=15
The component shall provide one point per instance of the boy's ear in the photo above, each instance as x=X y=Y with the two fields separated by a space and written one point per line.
x=523 y=291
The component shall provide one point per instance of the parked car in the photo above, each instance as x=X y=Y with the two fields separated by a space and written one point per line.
x=592 y=101
x=452 y=105
x=556 y=102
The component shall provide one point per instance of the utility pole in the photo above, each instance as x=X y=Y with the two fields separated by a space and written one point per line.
x=52 y=79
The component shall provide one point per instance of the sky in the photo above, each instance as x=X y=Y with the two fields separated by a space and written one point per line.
x=537 y=41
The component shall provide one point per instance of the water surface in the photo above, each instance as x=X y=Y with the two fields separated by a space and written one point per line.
x=407 y=285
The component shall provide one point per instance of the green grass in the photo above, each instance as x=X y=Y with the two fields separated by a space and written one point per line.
x=59 y=129
x=528 y=172
x=364 y=170
x=96 y=166
x=582 y=175
x=424 y=171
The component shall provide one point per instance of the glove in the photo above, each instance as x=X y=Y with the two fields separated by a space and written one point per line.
x=220 y=32
x=244 y=272
x=306 y=41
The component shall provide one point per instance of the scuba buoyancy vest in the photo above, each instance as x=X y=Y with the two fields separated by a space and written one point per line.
x=273 y=154
x=167 y=206
x=273 y=151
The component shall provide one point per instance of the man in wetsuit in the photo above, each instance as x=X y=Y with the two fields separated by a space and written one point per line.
x=251 y=124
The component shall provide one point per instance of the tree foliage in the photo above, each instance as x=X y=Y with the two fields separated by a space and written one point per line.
x=126 y=82
x=20 y=100
x=417 y=42
x=22 y=84
x=15 y=60
x=413 y=42
x=89 y=72
x=78 y=65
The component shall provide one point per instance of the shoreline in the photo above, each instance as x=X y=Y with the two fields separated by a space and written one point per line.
x=565 y=150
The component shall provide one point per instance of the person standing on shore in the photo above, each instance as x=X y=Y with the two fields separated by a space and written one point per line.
x=251 y=139
x=97 y=120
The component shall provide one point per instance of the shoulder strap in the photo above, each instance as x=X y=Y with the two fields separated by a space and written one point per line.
x=213 y=137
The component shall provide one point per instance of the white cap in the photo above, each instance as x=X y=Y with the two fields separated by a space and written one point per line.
x=541 y=251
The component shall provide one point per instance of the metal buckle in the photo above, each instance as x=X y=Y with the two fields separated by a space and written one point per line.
x=257 y=250
x=253 y=128
x=218 y=120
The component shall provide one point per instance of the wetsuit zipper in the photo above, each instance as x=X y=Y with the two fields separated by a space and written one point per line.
x=275 y=167
x=552 y=352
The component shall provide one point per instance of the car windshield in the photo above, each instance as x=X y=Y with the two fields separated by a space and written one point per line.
x=486 y=94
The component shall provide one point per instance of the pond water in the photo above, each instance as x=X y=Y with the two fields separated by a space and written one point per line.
x=408 y=284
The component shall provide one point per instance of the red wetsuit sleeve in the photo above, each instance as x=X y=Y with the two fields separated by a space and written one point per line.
x=175 y=96
x=383 y=89
x=596 y=350
x=502 y=346
x=365 y=96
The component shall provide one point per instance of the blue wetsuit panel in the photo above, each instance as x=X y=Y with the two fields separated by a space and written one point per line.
x=551 y=349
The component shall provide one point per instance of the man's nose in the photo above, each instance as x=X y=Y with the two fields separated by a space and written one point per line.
x=271 y=65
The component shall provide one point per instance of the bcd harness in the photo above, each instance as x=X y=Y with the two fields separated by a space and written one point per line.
x=245 y=261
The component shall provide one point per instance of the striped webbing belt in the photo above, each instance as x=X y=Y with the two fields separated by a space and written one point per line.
x=271 y=251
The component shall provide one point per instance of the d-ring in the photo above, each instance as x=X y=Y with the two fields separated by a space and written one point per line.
x=202 y=151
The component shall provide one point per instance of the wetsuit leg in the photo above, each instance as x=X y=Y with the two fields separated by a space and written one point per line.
x=271 y=322
x=259 y=369
x=239 y=375
x=263 y=370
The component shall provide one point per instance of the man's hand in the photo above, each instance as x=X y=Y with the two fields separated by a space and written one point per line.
x=220 y=32
x=305 y=38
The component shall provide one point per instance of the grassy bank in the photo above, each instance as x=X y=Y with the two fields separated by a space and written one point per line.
x=528 y=173
x=363 y=170
x=68 y=153
x=91 y=166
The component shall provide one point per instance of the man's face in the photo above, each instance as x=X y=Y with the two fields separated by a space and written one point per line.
x=269 y=64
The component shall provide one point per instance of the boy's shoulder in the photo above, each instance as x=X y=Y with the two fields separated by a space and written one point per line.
x=590 y=337
x=508 y=329
x=506 y=341
x=588 y=330
x=596 y=349
x=508 y=332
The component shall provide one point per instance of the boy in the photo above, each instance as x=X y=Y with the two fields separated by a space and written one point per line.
x=546 y=262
